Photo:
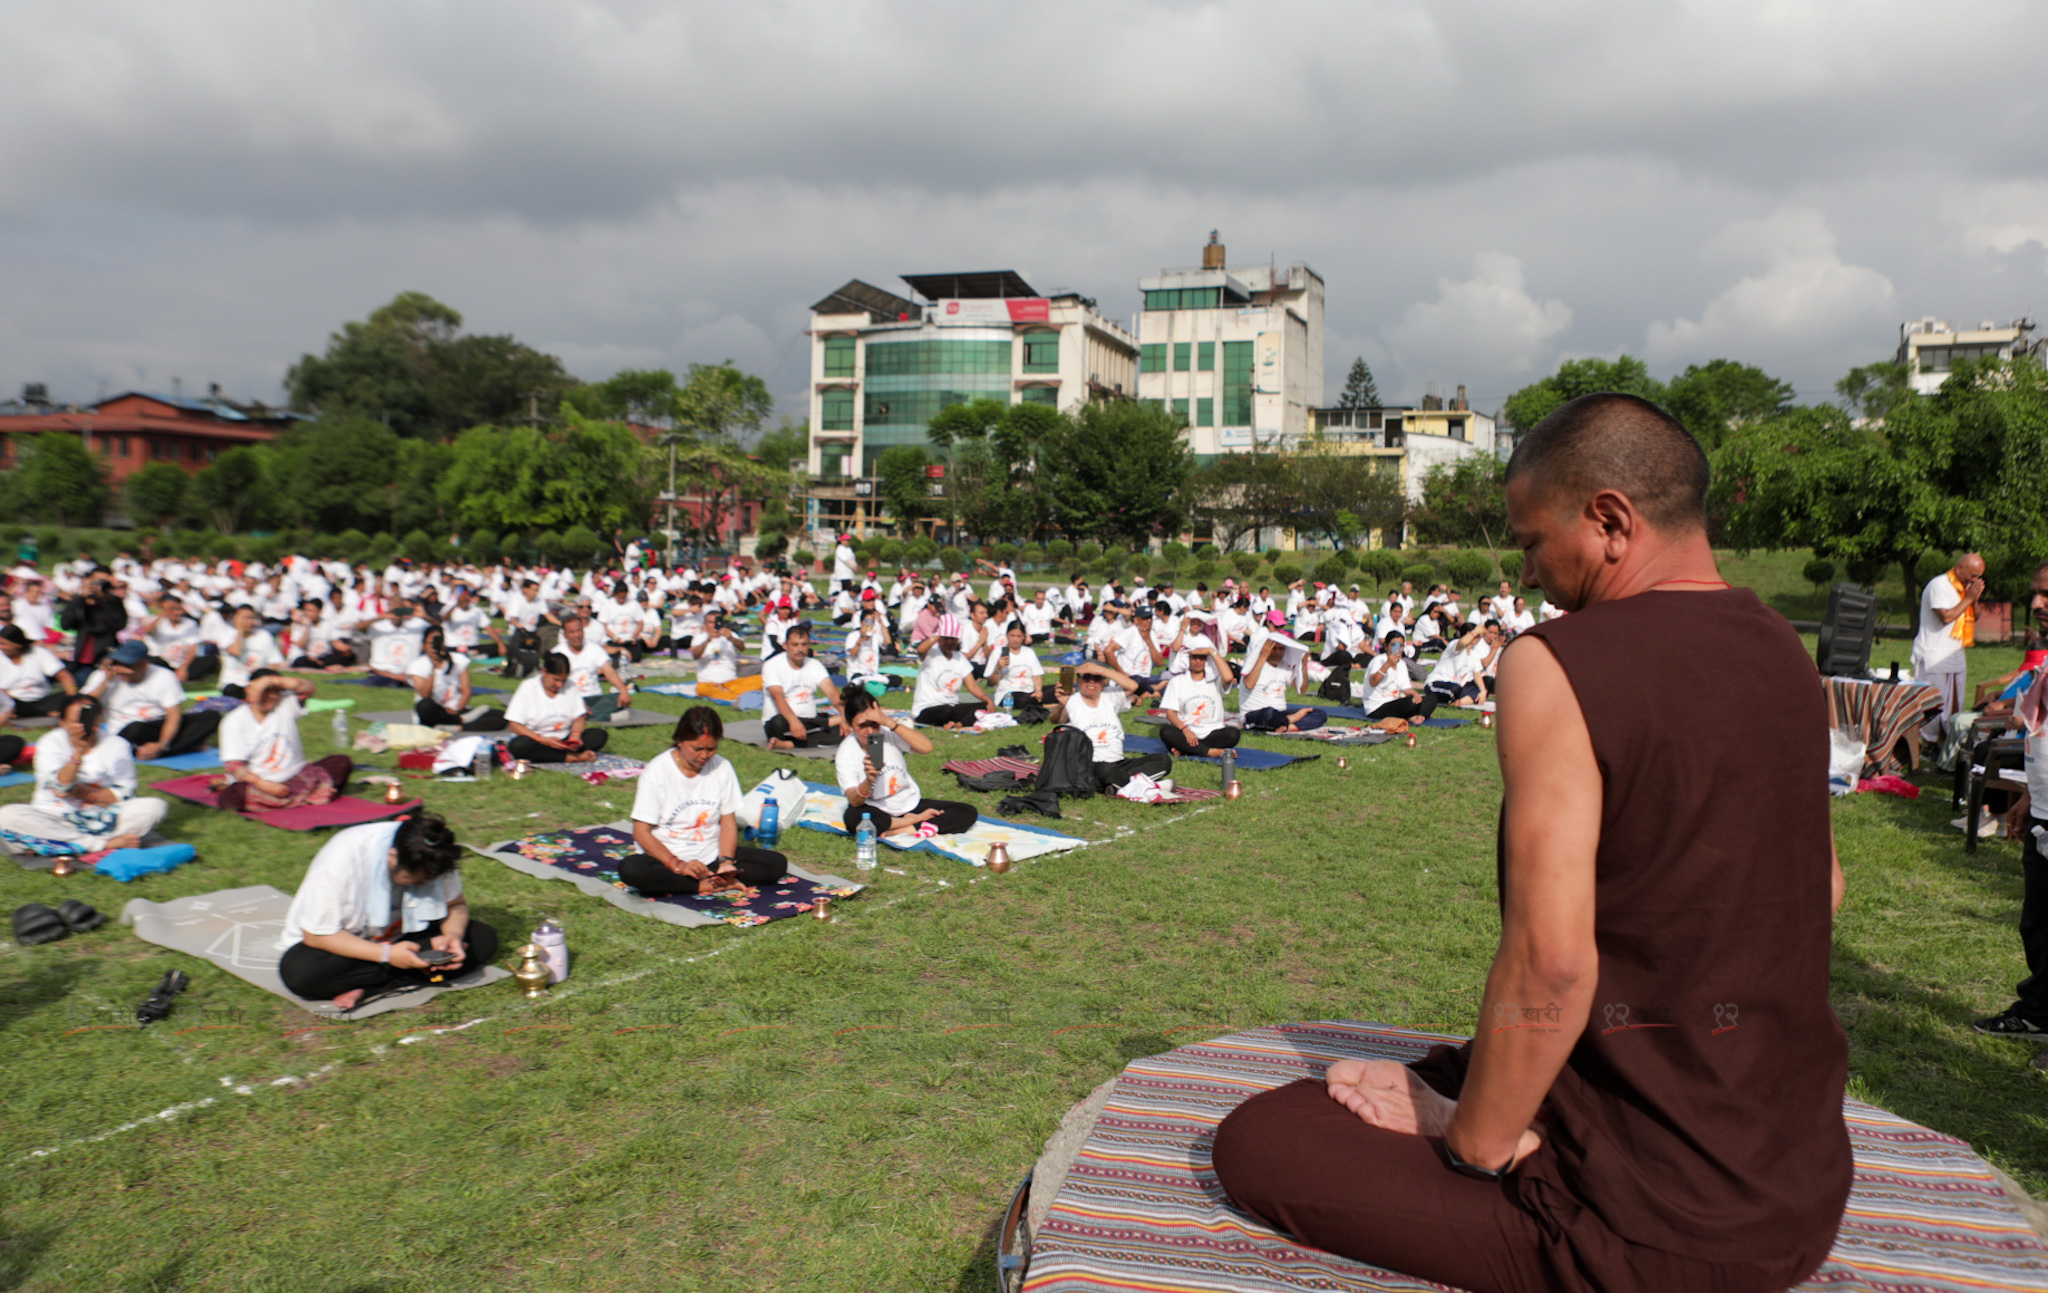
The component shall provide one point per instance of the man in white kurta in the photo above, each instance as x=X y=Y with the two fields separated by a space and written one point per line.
x=1948 y=613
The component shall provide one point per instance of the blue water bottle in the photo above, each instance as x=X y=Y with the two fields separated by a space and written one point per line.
x=771 y=824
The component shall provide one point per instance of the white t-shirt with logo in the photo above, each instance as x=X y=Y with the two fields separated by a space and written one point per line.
x=1392 y=685
x=1101 y=722
x=895 y=790
x=29 y=678
x=586 y=676
x=156 y=694
x=1198 y=701
x=446 y=689
x=549 y=716
x=270 y=746
x=939 y=680
x=687 y=813
x=1022 y=674
x=800 y=686
x=109 y=763
x=345 y=882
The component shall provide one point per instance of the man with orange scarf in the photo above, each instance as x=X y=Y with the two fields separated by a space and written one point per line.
x=1948 y=620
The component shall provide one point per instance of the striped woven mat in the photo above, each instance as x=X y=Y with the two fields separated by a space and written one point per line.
x=1029 y=768
x=1140 y=1208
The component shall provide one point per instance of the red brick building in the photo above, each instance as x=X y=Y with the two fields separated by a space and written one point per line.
x=133 y=430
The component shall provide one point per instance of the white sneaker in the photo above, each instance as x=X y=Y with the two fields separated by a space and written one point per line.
x=1165 y=784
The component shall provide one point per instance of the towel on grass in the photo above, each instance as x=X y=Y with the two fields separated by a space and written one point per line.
x=825 y=810
x=588 y=858
x=238 y=929
x=345 y=810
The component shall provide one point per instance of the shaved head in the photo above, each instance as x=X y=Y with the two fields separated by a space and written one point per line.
x=1619 y=442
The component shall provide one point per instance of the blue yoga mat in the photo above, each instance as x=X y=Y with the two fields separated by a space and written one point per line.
x=1248 y=759
x=1438 y=722
x=197 y=761
x=18 y=779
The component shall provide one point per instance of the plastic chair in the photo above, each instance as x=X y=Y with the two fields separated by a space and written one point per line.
x=1999 y=755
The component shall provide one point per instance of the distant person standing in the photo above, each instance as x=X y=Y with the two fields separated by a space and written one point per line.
x=845 y=564
x=1948 y=623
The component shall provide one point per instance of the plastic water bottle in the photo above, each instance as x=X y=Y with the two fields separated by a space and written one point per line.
x=771 y=824
x=480 y=766
x=554 y=948
x=340 y=729
x=864 y=844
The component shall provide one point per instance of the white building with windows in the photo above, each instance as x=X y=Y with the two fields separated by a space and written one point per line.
x=1929 y=349
x=882 y=365
x=1235 y=350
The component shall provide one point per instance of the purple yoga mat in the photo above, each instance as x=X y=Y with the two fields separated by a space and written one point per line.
x=346 y=810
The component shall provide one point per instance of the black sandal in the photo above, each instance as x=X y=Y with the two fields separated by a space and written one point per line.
x=160 y=1002
x=80 y=917
x=38 y=923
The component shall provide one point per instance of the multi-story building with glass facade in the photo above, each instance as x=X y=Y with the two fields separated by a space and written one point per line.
x=882 y=365
x=1236 y=351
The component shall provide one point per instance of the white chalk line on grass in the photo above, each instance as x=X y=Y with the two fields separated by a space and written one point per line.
x=177 y=1111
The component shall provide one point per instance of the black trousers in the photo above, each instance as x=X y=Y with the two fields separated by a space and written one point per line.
x=525 y=747
x=1451 y=692
x=431 y=714
x=1272 y=720
x=755 y=867
x=940 y=715
x=319 y=975
x=952 y=819
x=522 y=653
x=46 y=707
x=2033 y=990
x=194 y=731
x=1113 y=776
x=1404 y=707
x=817 y=731
x=12 y=748
x=1223 y=738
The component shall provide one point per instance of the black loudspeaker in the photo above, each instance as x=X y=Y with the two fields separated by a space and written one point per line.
x=1846 y=632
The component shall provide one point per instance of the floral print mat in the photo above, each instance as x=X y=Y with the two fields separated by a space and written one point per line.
x=589 y=857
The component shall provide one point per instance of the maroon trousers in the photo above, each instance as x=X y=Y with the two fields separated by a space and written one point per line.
x=1308 y=1166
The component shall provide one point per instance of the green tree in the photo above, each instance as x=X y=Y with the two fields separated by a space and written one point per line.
x=481 y=547
x=995 y=454
x=156 y=494
x=587 y=472
x=1116 y=471
x=410 y=367
x=1715 y=399
x=1511 y=566
x=901 y=482
x=720 y=404
x=420 y=546
x=1469 y=569
x=1360 y=391
x=1872 y=390
x=1576 y=377
x=61 y=480
x=578 y=544
x=1463 y=502
x=1820 y=572
x=787 y=443
x=235 y=486
x=646 y=395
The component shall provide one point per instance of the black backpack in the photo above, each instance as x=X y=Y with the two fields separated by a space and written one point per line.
x=1068 y=766
x=1337 y=686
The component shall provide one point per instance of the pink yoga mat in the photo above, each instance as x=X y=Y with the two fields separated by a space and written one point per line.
x=346 y=810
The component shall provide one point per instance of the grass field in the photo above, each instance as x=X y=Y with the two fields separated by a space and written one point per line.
x=843 y=1105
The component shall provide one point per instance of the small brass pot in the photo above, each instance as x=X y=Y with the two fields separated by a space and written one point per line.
x=532 y=975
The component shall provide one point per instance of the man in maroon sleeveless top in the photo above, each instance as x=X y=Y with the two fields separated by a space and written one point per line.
x=1653 y=1096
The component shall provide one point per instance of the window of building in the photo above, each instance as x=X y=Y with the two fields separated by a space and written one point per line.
x=1205 y=357
x=1046 y=395
x=916 y=358
x=1205 y=412
x=1183 y=356
x=1180 y=412
x=1152 y=359
x=837 y=413
x=1184 y=298
x=832 y=461
x=1157 y=405
x=1457 y=428
x=1041 y=352
x=1237 y=383
x=839 y=356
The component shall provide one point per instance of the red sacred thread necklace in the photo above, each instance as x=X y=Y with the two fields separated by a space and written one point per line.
x=1705 y=583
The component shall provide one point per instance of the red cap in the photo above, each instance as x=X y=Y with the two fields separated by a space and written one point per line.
x=867 y=594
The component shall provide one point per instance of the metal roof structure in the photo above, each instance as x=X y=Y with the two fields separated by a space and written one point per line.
x=980 y=284
x=864 y=298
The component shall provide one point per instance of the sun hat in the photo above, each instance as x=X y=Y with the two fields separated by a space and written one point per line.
x=948 y=627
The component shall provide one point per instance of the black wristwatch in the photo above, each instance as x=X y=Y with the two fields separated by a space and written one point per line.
x=1473 y=1170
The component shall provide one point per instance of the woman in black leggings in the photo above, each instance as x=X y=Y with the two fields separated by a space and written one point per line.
x=888 y=795
x=443 y=675
x=680 y=851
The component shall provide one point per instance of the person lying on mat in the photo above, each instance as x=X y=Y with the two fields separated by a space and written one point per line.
x=887 y=794
x=1096 y=710
x=684 y=821
x=1262 y=693
x=266 y=764
x=547 y=717
x=792 y=681
x=941 y=674
x=1653 y=1095
x=85 y=788
x=33 y=682
x=1196 y=723
x=145 y=705
x=380 y=904
x=440 y=683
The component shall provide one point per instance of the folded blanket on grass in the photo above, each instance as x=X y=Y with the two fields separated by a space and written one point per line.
x=1248 y=759
x=1139 y=1205
x=1027 y=770
x=825 y=810
x=238 y=929
x=588 y=858
x=346 y=810
x=614 y=767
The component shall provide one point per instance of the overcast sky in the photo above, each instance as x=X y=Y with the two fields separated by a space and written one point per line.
x=207 y=190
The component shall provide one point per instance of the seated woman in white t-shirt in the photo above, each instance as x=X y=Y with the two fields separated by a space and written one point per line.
x=1014 y=670
x=684 y=819
x=865 y=645
x=244 y=648
x=376 y=899
x=1389 y=691
x=265 y=761
x=441 y=688
x=1096 y=709
x=944 y=671
x=547 y=716
x=716 y=649
x=84 y=799
x=790 y=683
x=887 y=794
x=1262 y=692
x=33 y=682
x=1196 y=723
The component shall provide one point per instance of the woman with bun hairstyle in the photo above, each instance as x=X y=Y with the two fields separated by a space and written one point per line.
x=381 y=909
